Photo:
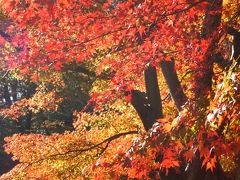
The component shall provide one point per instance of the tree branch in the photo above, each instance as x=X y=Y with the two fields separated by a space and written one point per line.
x=79 y=151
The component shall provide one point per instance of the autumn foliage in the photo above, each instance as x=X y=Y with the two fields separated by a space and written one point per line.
x=157 y=82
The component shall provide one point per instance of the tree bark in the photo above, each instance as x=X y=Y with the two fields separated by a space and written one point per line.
x=203 y=81
x=203 y=77
x=14 y=90
x=7 y=95
x=173 y=83
x=236 y=44
x=153 y=92
x=148 y=105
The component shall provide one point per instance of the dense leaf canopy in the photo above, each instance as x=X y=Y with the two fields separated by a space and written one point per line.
x=152 y=87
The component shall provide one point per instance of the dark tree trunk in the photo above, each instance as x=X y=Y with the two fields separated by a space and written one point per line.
x=197 y=172
x=28 y=120
x=153 y=92
x=203 y=81
x=31 y=89
x=203 y=77
x=7 y=95
x=14 y=90
x=235 y=45
x=148 y=105
x=25 y=122
x=6 y=163
x=175 y=88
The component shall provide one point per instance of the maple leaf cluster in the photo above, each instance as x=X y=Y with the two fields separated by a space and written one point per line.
x=70 y=48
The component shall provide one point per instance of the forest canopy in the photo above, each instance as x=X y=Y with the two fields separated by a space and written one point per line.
x=120 y=89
